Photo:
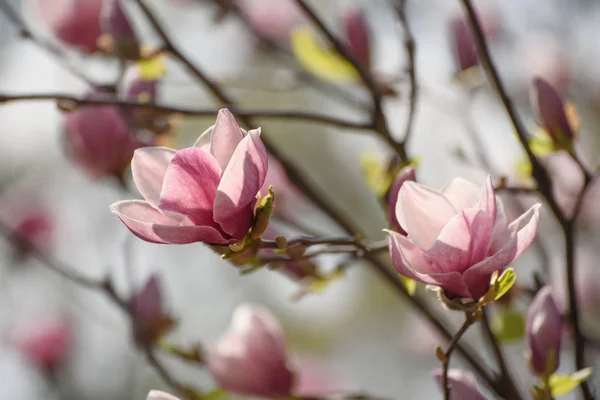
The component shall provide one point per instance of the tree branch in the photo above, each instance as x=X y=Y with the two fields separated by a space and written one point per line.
x=445 y=358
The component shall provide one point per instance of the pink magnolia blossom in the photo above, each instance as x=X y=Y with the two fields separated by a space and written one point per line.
x=98 y=139
x=45 y=342
x=462 y=385
x=357 y=35
x=205 y=193
x=75 y=22
x=544 y=329
x=30 y=220
x=158 y=395
x=250 y=359
x=457 y=238
x=272 y=19
x=407 y=174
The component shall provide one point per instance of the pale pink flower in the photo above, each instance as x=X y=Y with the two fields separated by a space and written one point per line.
x=75 y=22
x=407 y=174
x=462 y=385
x=250 y=359
x=357 y=35
x=98 y=139
x=544 y=329
x=272 y=19
x=205 y=193
x=158 y=395
x=45 y=342
x=457 y=238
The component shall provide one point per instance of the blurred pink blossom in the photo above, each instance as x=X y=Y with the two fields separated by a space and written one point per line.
x=463 y=385
x=250 y=359
x=457 y=237
x=150 y=321
x=544 y=329
x=205 y=193
x=357 y=35
x=74 y=22
x=272 y=19
x=550 y=108
x=46 y=342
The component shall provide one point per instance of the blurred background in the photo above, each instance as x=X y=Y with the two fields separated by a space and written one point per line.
x=356 y=335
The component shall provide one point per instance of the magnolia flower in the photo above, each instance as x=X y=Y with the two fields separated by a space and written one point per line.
x=551 y=109
x=45 y=342
x=205 y=193
x=158 y=395
x=405 y=175
x=357 y=35
x=457 y=238
x=98 y=139
x=544 y=329
x=75 y=22
x=462 y=385
x=251 y=358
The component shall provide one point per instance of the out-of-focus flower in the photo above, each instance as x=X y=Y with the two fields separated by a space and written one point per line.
x=462 y=385
x=75 y=22
x=272 y=19
x=457 y=238
x=45 y=342
x=158 y=395
x=205 y=193
x=119 y=38
x=150 y=321
x=405 y=175
x=30 y=220
x=551 y=110
x=357 y=35
x=98 y=139
x=544 y=329
x=251 y=358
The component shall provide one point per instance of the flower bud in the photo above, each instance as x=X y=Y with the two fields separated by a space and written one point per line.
x=463 y=42
x=544 y=333
x=462 y=385
x=250 y=359
x=551 y=110
x=150 y=321
x=406 y=174
x=357 y=36
x=99 y=141
x=46 y=343
x=271 y=19
x=120 y=39
x=75 y=22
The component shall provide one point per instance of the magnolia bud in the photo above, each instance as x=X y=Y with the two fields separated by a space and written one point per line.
x=463 y=42
x=551 y=110
x=150 y=321
x=357 y=36
x=544 y=333
x=120 y=39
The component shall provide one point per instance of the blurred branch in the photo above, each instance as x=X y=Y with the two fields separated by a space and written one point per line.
x=445 y=356
x=206 y=112
x=104 y=286
x=409 y=45
x=59 y=54
x=544 y=182
x=378 y=117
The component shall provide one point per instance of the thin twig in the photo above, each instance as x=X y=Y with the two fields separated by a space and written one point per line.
x=469 y=320
x=409 y=45
x=297 y=115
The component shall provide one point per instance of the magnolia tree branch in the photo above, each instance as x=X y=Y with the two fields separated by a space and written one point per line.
x=56 y=51
x=540 y=174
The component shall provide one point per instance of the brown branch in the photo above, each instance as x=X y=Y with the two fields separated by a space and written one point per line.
x=445 y=358
x=297 y=115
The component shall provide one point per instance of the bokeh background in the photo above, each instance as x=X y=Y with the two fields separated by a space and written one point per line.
x=357 y=334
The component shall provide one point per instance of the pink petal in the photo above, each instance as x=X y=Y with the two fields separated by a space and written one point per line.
x=241 y=181
x=523 y=231
x=190 y=185
x=158 y=395
x=486 y=200
x=462 y=385
x=410 y=261
x=140 y=217
x=422 y=213
x=405 y=175
x=225 y=138
x=461 y=193
x=148 y=168
x=463 y=242
x=190 y=234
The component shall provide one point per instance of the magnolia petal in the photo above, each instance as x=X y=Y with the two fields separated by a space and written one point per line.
x=422 y=213
x=158 y=395
x=140 y=217
x=523 y=231
x=462 y=385
x=225 y=138
x=190 y=234
x=203 y=141
x=241 y=181
x=486 y=199
x=405 y=175
x=461 y=193
x=148 y=168
x=190 y=185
